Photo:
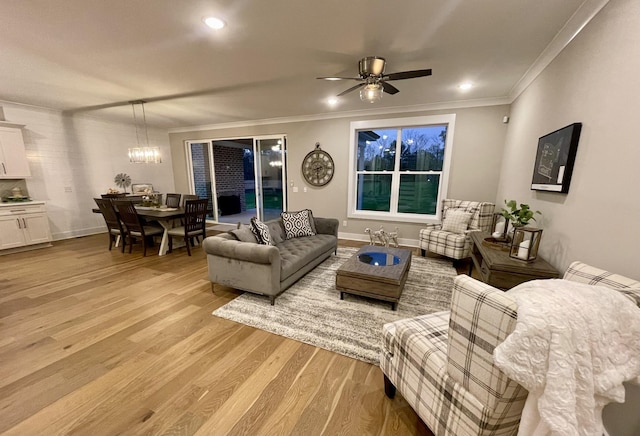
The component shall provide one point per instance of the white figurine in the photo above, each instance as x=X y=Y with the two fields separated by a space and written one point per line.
x=381 y=236
x=372 y=240
x=393 y=237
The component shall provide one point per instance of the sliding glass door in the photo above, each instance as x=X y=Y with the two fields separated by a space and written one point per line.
x=200 y=161
x=242 y=177
x=271 y=180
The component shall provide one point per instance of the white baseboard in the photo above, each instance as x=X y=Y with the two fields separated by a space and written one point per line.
x=78 y=233
x=365 y=238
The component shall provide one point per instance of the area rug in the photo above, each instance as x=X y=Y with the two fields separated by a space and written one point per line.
x=311 y=311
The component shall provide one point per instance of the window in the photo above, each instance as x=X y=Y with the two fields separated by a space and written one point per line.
x=399 y=167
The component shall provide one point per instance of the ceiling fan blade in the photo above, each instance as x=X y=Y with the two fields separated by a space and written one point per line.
x=407 y=74
x=389 y=89
x=353 y=88
x=339 y=78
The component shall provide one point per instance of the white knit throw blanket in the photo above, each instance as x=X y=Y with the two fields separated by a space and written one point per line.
x=573 y=346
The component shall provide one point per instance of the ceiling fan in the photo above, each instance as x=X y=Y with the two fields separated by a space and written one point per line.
x=374 y=80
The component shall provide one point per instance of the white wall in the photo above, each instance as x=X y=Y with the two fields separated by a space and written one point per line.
x=478 y=145
x=83 y=153
x=595 y=80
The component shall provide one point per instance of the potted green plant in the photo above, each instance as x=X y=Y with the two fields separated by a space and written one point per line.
x=518 y=216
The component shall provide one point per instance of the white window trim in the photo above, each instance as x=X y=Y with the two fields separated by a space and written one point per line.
x=448 y=119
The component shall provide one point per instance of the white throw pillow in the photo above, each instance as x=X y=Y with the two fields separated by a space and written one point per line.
x=297 y=224
x=456 y=221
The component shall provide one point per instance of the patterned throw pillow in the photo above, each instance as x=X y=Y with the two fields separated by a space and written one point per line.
x=297 y=224
x=456 y=221
x=261 y=231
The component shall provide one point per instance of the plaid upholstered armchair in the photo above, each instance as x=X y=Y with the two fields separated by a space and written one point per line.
x=443 y=363
x=451 y=237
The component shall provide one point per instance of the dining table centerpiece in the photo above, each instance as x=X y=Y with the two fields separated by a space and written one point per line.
x=151 y=199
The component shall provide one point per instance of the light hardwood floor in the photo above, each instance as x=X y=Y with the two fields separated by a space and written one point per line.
x=96 y=342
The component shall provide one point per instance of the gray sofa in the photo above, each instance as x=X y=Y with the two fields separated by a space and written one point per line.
x=236 y=259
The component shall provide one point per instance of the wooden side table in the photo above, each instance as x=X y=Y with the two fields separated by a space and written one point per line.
x=498 y=269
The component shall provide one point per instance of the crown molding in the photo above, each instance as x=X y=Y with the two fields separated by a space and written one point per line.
x=350 y=114
x=569 y=31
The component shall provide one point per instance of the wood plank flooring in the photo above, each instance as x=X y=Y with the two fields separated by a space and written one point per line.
x=96 y=342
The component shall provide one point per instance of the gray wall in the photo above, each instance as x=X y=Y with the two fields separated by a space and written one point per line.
x=477 y=154
x=593 y=81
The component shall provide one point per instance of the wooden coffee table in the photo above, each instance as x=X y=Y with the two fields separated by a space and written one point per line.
x=382 y=282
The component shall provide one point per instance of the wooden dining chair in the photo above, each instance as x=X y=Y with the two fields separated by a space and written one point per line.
x=186 y=197
x=135 y=229
x=195 y=219
x=173 y=200
x=111 y=218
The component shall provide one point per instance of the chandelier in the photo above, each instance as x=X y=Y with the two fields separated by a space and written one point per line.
x=143 y=154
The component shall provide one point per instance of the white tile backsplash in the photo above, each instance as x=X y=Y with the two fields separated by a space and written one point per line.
x=6 y=185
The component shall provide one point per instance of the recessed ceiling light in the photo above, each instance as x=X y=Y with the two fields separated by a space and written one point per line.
x=332 y=101
x=465 y=86
x=214 y=22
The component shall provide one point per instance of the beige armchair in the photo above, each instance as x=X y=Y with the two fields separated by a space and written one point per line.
x=451 y=237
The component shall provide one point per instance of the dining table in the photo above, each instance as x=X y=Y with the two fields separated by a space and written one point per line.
x=165 y=216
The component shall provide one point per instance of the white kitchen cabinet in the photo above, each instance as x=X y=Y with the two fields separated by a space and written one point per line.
x=13 y=156
x=22 y=225
x=11 y=233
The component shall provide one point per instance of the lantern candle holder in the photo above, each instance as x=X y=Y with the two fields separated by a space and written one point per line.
x=525 y=243
x=499 y=227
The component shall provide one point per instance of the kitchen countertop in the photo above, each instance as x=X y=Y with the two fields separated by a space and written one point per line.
x=20 y=203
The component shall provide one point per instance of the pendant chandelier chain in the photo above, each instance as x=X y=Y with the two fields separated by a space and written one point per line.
x=135 y=122
x=144 y=118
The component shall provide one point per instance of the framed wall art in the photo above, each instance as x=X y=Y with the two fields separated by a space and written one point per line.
x=555 y=158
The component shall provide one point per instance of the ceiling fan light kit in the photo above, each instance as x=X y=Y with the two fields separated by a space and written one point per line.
x=371 y=92
x=374 y=80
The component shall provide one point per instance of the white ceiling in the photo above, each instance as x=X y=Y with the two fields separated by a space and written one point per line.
x=94 y=56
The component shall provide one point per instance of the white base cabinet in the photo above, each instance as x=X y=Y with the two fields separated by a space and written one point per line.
x=23 y=225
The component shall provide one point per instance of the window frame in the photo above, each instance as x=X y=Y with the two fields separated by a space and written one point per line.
x=399 y=123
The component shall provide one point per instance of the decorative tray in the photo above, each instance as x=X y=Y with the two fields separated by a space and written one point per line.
x=500 y=244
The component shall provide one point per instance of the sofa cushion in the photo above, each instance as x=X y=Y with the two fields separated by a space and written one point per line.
x=261 y=230
x=244 y=234
x=297 y=252
x=298 y=224
x=276 y=230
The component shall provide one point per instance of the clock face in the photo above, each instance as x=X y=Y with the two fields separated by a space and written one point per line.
x=317 y=168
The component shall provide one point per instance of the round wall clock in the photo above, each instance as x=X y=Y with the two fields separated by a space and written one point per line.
x=317 y=167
